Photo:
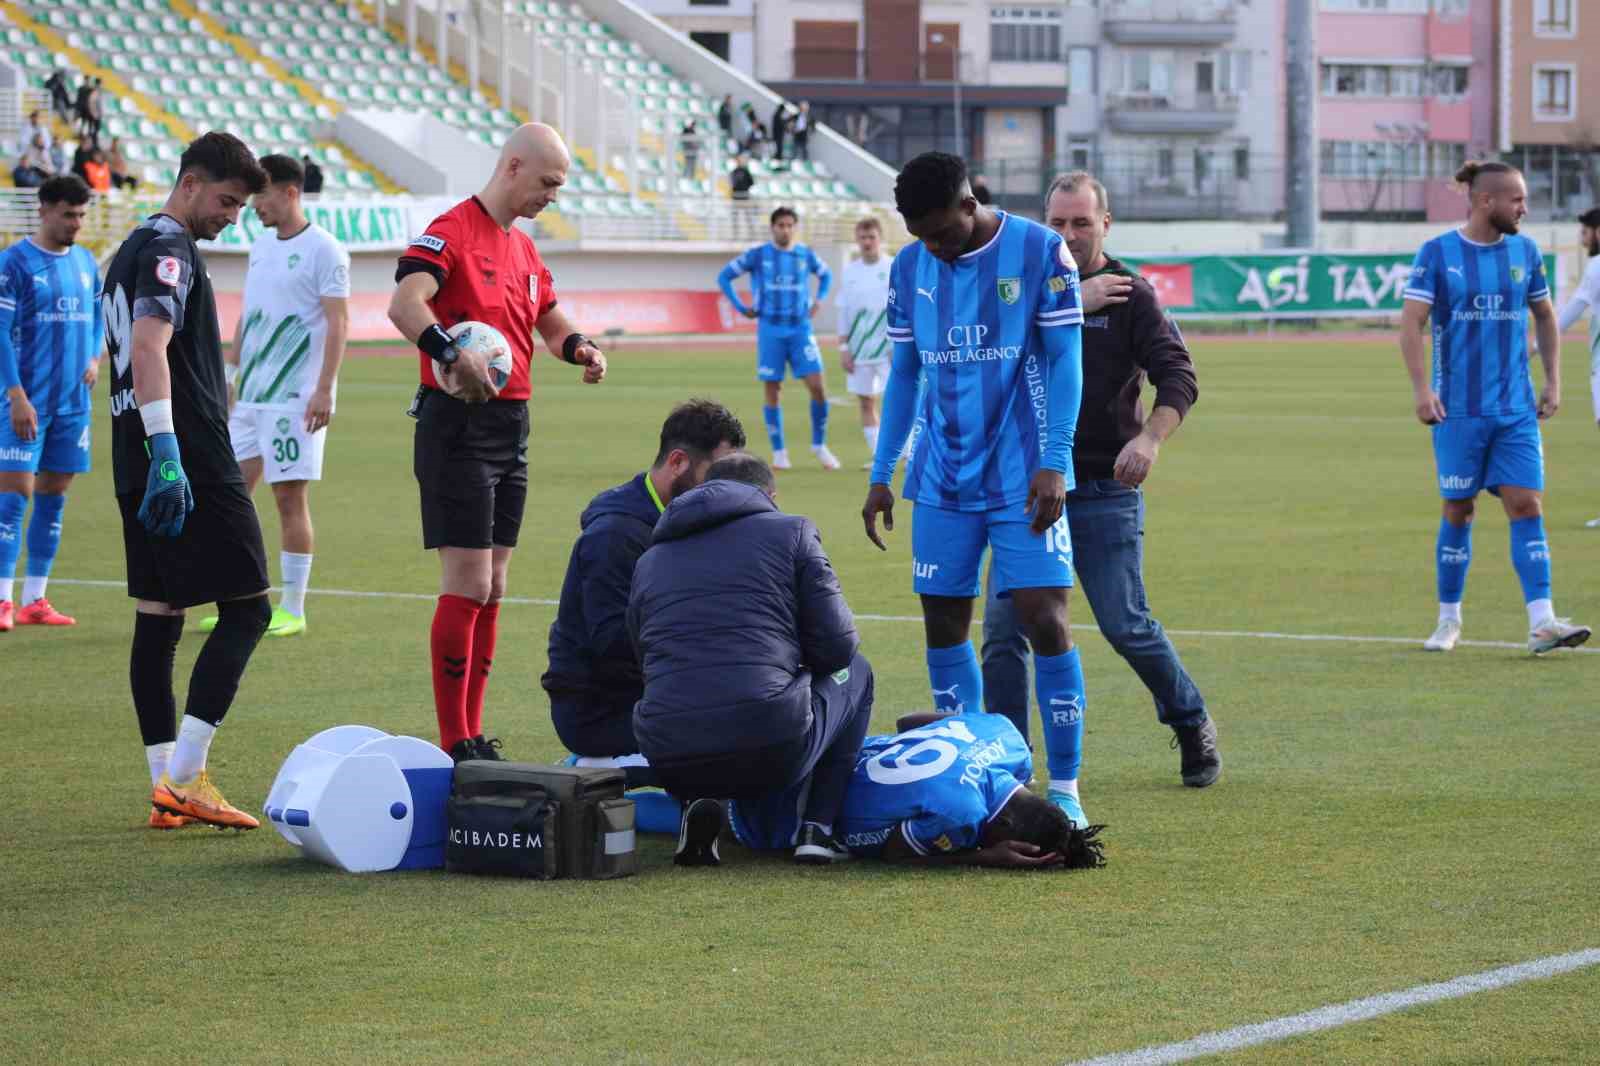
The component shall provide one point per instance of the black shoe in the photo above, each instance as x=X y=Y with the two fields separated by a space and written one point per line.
x=463 y=750
x=702 y=823
x=488 y=748
x=1202 y=763
x=818 y=848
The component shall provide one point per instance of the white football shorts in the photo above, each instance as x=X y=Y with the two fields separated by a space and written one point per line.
x=277 y=436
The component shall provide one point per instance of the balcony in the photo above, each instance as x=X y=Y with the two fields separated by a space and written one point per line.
x=1164 y=113
x=1174 y=23
x=933 y=67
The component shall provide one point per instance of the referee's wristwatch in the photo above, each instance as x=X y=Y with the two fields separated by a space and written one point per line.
x=437 y=344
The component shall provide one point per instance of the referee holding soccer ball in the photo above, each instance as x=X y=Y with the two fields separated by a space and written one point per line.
x=471 y=452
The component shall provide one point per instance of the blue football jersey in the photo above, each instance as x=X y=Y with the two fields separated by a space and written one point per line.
x=51 y=323
x=1480 y=295
x=780 y=281
x=937 y=786
x=977 y=326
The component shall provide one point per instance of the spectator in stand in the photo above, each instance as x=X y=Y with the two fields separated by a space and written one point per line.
x=313 y=180
x=755 y=140
x=60 y=95
x=740 y=180
x=780 y=129
x=120 y=178
x=80 y=158
x=34 y=168
x=97 y=172
x=80 y=107
x=37 y=127
x=691 y=148
x=725 y=115
x=802 y=131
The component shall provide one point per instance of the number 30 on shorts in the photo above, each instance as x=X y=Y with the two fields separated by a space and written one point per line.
x=285 y=450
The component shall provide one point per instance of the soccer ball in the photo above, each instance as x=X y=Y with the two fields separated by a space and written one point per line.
x=478 y=337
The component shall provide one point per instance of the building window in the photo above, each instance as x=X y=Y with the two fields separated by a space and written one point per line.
x=1241 y=162
x=1378 y=159
x=1555 y=18
x=1233 y=72
x=1409 y=80
x=715 y=43
x=708 y=3
x=1080 y=71
x=1164 y=164
x=1144 y=72
x=1382 y=7
x=1025 y=34
x=1554 y=92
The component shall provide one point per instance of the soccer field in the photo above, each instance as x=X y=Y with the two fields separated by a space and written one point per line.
x=1385 y=819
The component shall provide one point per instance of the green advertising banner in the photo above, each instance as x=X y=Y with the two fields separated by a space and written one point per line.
x=359 y=225
x=1284 y=284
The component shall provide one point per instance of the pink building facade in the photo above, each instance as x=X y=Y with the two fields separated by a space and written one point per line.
x=1406 y=94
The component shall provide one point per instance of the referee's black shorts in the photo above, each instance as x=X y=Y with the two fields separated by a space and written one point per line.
x=218 y=556
x=471 y=462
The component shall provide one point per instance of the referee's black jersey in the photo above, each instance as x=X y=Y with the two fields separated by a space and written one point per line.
x=159 y=273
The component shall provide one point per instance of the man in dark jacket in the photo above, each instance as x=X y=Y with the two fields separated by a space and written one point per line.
x=1126 y=337
x=752 y=678
x=594 y=678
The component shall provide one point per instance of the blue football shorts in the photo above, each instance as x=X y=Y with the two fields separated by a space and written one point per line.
x=61 y=444
x=1487 y=452
x=947 y=551
x=798 y=350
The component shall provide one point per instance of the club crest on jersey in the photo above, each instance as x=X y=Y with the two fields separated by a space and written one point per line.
x=168 y=270
x=1516 y=274
x=84 y=279
x=294 y=260
x=1057 y=284
x=1010 y=289
x=430 y=242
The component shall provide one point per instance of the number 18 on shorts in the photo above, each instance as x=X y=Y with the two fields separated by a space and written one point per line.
x=947 y=551
x=278 y=437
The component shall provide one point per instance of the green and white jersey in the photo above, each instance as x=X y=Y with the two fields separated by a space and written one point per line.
x=280 y=351
x=1589 y=293
x=863 y=302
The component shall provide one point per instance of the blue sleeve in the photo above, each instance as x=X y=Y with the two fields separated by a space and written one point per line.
x=957 y=824
x=1059 y=318
x=737 y=266
x=820 y=269
x=10 y=373
x=1538 y=284
x=1422 y=285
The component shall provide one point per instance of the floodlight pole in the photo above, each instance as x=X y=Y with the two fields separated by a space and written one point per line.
x=1301 y=178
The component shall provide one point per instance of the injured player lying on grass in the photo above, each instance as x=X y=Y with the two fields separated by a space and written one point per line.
x=944 y=789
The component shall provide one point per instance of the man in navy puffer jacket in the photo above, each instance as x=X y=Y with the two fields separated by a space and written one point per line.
x=594 y=680
x=752 y=678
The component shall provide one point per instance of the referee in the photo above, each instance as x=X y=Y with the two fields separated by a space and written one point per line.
x=1126 y=338
x=471 y=451
x=188 y=527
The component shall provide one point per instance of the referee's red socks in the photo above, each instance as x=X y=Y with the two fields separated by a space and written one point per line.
x=483 y=640
x=455 y=620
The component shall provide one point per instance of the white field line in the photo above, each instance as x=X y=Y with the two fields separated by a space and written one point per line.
x=1223 y=633
x=1356 y=1010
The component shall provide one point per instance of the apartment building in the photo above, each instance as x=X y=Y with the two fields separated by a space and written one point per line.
x=1548 y=100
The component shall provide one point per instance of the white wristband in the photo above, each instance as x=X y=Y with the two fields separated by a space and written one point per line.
x=157 y=416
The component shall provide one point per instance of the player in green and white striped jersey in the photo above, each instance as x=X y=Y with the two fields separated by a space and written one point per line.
x=284 y=369
x=864 y=347
x=1587 y=299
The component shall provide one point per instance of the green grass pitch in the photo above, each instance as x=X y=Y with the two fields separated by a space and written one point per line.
x=1386 y=818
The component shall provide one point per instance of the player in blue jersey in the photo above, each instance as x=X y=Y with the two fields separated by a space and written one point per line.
x=780 y=281
x=51 y=332
x=986 y=306
x=943 y=789
x=1479 y=284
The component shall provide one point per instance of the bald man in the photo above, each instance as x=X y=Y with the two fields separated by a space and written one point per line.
x=470 y=454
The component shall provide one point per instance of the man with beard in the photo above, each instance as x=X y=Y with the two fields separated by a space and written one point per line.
x=1480 y=283
x=1587 y=299
x=594 y=678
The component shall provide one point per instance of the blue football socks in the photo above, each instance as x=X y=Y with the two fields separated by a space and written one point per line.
x=819 y=423
x=955 y=678
x=1058 y=684
x=1530 y=556
x=12 y=507
x=1452 y=557
x=773 y=416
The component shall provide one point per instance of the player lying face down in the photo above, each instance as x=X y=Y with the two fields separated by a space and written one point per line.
x=943 y=790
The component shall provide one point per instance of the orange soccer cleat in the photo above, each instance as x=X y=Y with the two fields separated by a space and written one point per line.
x=40 y=613
x=201 y=800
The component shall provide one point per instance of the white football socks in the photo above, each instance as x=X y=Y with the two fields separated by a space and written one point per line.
x=1068 y=785
x=158 y=756
x=871 y=433
x=1450 y=612
x=296 y=576
x=194 y=744
x=1540 y=611
x=33 y=588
